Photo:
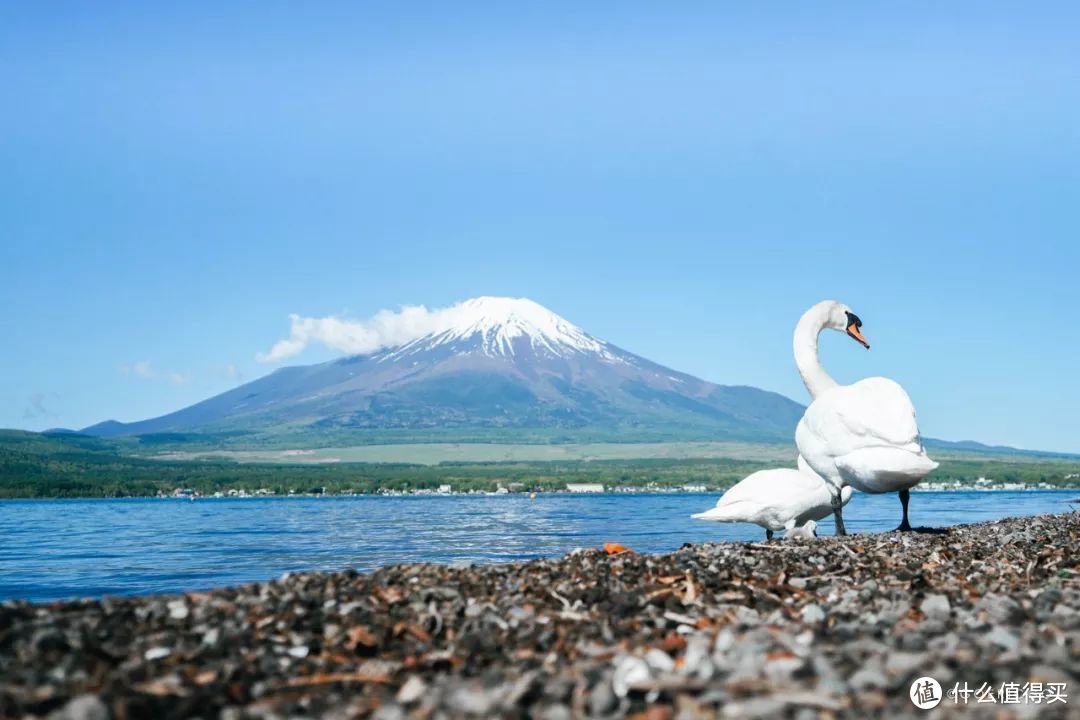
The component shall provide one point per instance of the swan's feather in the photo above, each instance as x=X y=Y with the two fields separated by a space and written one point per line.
x=850 y=421
x=773 y=499
x=886 y=468
x=874 y=411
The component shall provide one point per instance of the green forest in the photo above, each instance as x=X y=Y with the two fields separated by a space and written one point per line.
x=36 y=465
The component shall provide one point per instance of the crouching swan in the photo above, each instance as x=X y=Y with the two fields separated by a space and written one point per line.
x=778 y=499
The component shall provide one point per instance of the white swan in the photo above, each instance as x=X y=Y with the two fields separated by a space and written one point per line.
x=863 y=435
x=779 y=499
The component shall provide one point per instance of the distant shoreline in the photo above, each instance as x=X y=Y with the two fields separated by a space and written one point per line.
x=436 y=495
x=39 y=466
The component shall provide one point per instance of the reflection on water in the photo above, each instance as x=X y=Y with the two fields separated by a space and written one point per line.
x=63 y=548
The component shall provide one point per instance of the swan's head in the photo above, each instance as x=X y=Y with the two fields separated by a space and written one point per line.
x=806 y=530
x=839 y=316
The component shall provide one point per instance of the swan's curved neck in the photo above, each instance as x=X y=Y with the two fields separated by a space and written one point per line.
x=805 y=344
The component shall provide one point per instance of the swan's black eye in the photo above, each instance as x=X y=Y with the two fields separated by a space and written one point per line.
x=853 y=318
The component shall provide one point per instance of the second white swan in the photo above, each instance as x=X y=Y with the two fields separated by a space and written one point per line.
x=778 y=499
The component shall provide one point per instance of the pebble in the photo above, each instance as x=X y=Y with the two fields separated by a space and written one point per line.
x=602 y=699
x=1000 y=609
x=812 y=614
x=659 y=661
x=936 y=607
x=412 y=690
x=629 y=671
x=763 y=707
x=868 y=679
x=156 y=653
x=903 y=664
x=83 y=707
x=178 y=610
x=1003 y=638
x=826 y=627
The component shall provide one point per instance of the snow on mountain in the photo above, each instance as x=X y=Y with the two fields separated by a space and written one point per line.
x=497 y=324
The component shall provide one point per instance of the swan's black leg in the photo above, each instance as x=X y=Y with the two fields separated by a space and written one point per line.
x=905 y=526
x=768 y=534
x=837 y=506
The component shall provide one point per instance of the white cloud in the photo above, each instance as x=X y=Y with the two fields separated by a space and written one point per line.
x=386 y=328
x=142 y=368
x=146 y=370
x=232 y=374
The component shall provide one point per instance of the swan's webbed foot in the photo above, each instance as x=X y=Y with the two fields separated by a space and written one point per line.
x=905 y=496
x=905 y=526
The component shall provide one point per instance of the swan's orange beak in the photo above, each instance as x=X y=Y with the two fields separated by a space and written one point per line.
x=853 y=331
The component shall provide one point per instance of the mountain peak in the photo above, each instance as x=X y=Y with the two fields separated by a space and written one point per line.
x=491 y=311
x=486 y=365
x=498 y=326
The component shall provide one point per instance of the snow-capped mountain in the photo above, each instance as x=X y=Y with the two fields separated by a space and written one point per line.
x=499 y=326
x=494 y=363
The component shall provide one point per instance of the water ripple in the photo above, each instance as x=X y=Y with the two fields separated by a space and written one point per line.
x=53 y=549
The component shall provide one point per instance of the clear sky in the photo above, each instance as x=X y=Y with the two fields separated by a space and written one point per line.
x=681 y=181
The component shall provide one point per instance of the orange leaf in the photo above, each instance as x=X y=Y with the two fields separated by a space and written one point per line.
x=616 y=549
x=359 y=636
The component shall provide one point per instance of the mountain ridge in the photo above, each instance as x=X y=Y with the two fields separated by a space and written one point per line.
x=494 y=363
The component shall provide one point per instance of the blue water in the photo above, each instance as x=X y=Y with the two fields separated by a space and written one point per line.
x=53 y=549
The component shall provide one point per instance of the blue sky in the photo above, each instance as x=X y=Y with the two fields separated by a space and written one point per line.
x=682 y=182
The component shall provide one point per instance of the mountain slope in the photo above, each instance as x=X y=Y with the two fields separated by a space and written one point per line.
x=496 y=363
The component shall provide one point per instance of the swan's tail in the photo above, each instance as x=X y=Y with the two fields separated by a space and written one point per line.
x=884 y=469
x=719 y=514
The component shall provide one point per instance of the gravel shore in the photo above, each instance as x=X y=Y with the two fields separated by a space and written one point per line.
x=826 y=627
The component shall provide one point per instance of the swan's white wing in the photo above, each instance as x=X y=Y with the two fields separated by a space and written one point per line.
x=865 y=434
x=769 y=498
x=878 y=410
x=742 y=501
x=870 y=413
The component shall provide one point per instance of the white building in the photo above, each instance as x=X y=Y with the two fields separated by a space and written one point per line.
x=584 y=487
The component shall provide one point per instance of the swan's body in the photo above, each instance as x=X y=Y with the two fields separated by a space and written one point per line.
x=862 y=435
x=779 y=499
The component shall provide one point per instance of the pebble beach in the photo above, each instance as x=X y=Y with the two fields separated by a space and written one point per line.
x=805 y=628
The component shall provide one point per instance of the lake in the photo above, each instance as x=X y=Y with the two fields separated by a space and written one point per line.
x=53 y=549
